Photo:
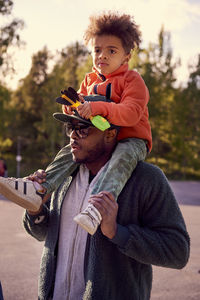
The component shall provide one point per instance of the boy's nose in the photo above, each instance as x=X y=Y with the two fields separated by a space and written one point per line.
x=103 y=55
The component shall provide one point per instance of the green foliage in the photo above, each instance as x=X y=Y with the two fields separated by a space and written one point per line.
x=72 y=58
x=5 y=6
x=26 y=114
x=5 y=117
x=40 y=135
x=185 y=139
x=9 y=36
x=84 y=68
x=6 y=120
x=170 y=116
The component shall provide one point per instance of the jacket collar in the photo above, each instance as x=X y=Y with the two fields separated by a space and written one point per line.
x=120 y=70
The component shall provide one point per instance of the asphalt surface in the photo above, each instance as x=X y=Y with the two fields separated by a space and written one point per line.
x=20 y=254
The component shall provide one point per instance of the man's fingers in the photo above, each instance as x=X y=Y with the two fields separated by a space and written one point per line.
x=104 y=202
x=109 y=195
x=39 y=176
x=40 y=171
x=108 y=208
x=108 y=201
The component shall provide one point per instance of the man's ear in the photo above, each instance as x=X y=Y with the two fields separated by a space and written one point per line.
x=111 y=135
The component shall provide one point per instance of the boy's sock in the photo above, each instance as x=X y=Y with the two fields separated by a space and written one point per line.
x=39 y=188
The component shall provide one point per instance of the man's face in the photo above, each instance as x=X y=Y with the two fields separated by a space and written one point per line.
x=108 y=53
x=87 y=143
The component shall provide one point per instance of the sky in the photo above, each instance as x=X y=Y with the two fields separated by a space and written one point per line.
x=58 y=23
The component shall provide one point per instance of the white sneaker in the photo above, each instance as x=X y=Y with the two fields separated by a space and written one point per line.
x=22 y=192
x=89 y=219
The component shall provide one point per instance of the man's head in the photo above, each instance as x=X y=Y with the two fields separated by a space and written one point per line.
x=112 y=36
x=90 y=145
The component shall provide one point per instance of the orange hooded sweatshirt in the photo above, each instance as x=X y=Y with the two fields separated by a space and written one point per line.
x=130 y=95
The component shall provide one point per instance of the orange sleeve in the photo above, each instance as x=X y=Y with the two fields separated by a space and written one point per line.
x=83 y=86
x=132 y=106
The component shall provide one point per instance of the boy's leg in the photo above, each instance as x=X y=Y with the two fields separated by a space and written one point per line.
x=61 y=167
x=113 y=178
x=29 y=194
x=121 y=165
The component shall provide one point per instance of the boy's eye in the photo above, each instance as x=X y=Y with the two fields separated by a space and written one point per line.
x=112 y=51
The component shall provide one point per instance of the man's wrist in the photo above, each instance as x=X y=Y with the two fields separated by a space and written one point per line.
x=112 y=233
x=122 y=236
x=36 y=217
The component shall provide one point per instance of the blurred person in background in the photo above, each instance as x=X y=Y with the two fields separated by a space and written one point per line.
x=3 y=168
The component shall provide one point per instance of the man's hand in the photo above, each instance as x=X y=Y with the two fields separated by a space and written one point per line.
x=40 y=177
x=108 y=208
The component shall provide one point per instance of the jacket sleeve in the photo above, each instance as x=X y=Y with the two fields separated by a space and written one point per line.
x=83 y=86
x=161 y=237
x=133 y=103
x=35 y=227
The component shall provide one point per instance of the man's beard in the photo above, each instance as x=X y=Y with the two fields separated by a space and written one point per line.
x=91 y=155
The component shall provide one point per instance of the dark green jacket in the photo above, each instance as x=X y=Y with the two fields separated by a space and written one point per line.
x=151 y=231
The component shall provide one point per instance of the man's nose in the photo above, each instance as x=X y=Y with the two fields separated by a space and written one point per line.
x=73 y=135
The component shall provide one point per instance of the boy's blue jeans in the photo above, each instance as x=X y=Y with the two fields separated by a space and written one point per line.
x=114 y=176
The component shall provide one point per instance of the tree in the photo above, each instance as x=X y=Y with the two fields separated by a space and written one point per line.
x=9 y=36
x=186 y=126
x=72 y=59
x=6 y=119
x=30 y=101
x=156 y=67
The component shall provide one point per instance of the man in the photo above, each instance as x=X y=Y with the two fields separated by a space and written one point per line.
x=143 y=228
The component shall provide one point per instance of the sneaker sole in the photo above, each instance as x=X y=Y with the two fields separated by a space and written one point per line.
x=18 y=200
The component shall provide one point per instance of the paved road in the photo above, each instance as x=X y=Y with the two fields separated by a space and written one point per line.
x=20 y=254
x=187 y=193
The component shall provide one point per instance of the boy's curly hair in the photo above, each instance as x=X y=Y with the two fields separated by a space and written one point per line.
x=122 y=26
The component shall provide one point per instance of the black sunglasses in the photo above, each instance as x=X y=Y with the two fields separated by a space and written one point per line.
x=81 y=130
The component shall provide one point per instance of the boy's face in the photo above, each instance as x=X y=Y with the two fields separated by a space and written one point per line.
x=108 y=53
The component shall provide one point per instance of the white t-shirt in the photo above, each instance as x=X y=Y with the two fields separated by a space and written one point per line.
x=69 y=281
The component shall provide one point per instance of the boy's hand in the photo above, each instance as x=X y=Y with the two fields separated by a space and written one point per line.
x=108 y=208
x=69 y=110
x=81 y=98
x=84 y=110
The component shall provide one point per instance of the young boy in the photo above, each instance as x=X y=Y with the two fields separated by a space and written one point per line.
x=112 y=38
